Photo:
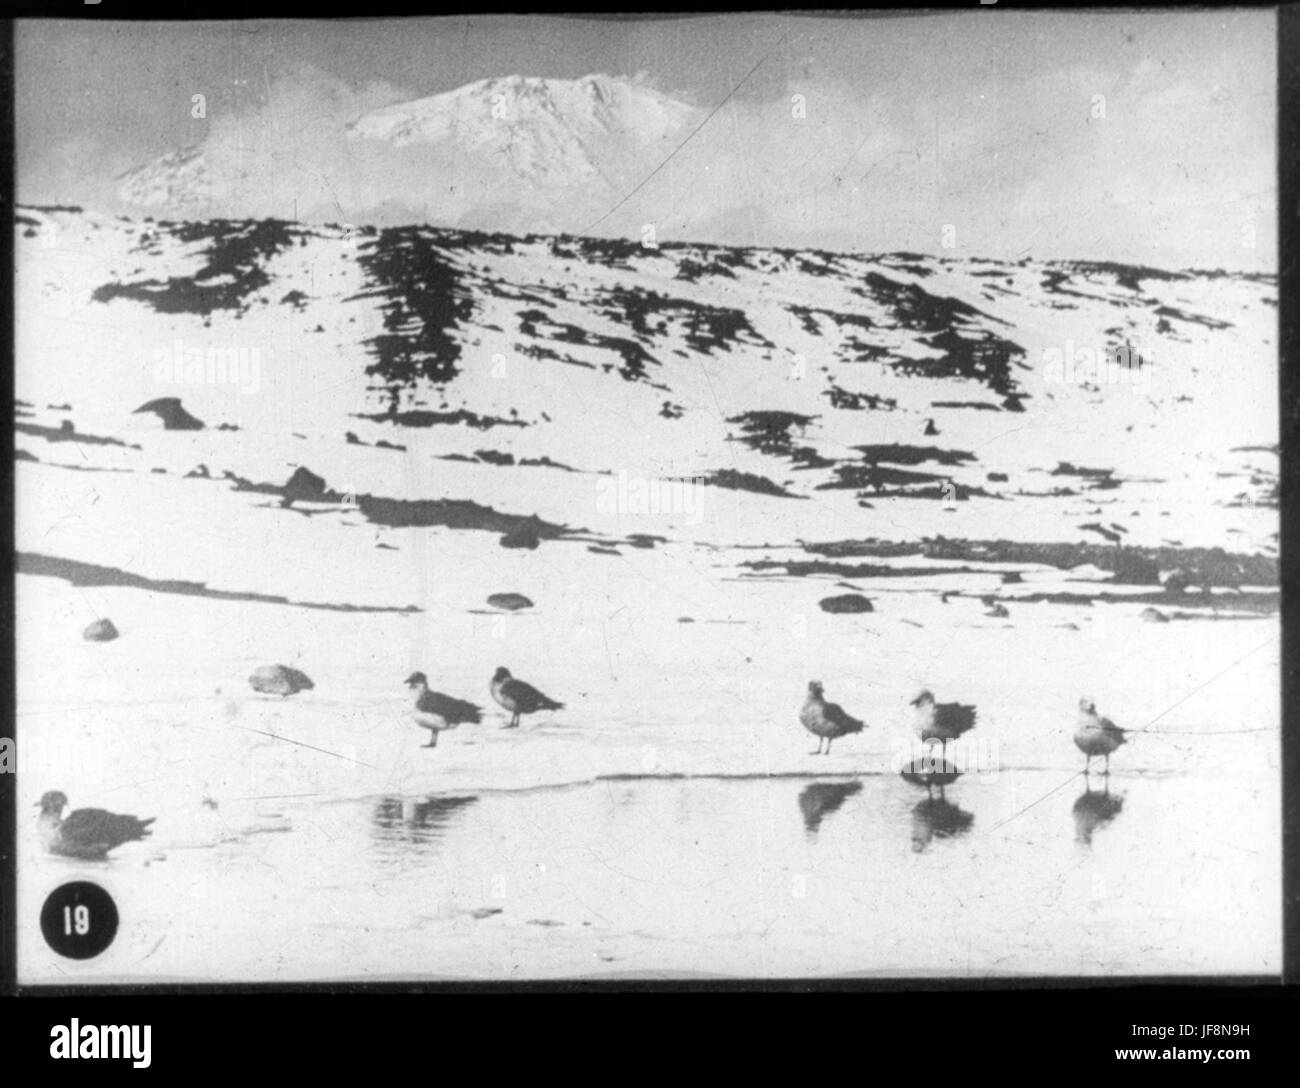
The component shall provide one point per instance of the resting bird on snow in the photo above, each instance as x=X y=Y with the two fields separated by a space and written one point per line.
x=1095 y=735
x=435 y=711
x=941 y=721
x=824 y=720
x=519 y=698
x=87 y=833
x=279 y=680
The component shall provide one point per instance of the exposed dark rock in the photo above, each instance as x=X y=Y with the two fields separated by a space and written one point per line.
x=846 y=602
x=509 y=602
x=523 y=536
x=895 y=454
x=77 y=573
x=174 y=417
x=233 y=272
x=421 y=418
x=304 y=485
x=65 y=434
x=495 y=457
x=1204 y=566
x=733 y=480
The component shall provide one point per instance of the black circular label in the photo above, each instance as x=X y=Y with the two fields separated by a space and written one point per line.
x=79 y=920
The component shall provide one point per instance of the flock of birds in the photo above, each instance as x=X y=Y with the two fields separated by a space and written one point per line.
x=433 y=710
x=939 y=722
x=91 y=833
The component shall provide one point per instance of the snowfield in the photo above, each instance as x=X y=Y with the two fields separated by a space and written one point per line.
x=676 y=454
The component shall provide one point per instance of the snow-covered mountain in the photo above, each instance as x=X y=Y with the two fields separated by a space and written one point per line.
x=543 y=131
x=179 y=180
x=514 y=150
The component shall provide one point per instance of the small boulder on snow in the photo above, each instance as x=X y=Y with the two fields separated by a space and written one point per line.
x=102 y=630
x=509 y=602
x=279 y=680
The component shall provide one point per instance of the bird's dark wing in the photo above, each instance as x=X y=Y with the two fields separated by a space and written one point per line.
x=527 y=698
x=957 y=717
x=453 y=711
x=95 y=827
x=836 y=715
x=1109 y=727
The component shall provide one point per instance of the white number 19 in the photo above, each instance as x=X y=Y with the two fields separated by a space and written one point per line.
x=78 y=918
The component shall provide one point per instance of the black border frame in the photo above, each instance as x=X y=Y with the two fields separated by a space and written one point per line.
x=1277 y=994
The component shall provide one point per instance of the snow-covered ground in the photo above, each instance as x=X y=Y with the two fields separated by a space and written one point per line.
x=695 y=418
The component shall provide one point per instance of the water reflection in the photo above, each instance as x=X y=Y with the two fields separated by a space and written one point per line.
x=408 y=819
x=931 y=773
x=935 y=818
x=820 y=799
x=1093 y=810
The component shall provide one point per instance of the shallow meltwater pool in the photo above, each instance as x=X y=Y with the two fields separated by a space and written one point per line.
x=1027 y=872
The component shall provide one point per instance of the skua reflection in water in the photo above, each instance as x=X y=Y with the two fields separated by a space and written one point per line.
x=820 y=799
x=935 y=818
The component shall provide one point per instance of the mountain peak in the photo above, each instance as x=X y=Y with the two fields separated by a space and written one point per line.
x=547 y=131
x=518 y=150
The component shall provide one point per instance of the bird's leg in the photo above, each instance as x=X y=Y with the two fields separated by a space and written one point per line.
x=828 y=745
x=1087 y=764
x=1107 y=772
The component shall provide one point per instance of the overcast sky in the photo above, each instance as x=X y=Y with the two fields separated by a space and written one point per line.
x=1143 y=137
